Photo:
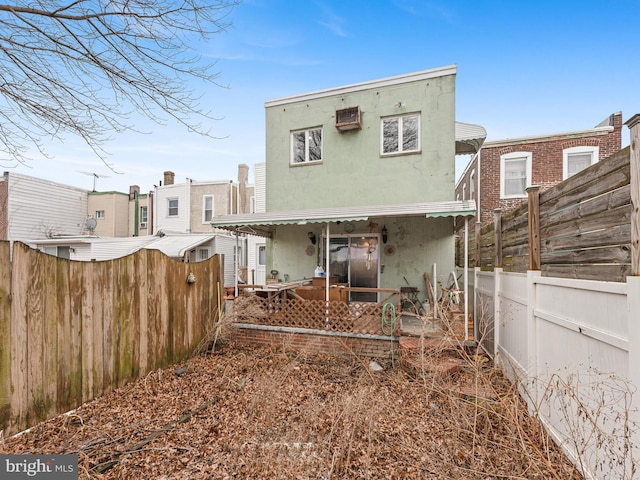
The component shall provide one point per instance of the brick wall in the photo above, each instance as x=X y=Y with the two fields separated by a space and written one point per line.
x=546 y=163
x=315 y=343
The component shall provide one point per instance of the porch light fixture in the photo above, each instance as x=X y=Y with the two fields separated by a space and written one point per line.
x=385 y=235
x=312 y=237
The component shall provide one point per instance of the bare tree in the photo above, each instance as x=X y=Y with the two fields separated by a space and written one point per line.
x=82 y=67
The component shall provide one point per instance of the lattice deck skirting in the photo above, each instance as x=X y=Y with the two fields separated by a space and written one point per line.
x=356 y=317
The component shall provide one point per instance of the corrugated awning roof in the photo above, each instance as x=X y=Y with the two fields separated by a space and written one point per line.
x=176 y=245
x=262 y=223
x=469 y=138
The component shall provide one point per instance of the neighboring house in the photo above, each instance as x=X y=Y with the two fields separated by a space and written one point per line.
x=257 y=245
x=189 y=207
x=139 y=212
x=110 y=210
x=498 y=175
x=360 y=179
x=181 y=247
x=32 y=208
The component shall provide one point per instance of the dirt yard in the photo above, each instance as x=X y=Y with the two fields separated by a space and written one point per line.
x=271 y=414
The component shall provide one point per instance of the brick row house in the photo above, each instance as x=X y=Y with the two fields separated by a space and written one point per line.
x=498 y=175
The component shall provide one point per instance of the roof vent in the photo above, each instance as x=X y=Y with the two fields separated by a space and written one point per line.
x=348 y=119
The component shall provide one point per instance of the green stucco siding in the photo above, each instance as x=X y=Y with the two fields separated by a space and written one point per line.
x=418 y=243
x=353 y=172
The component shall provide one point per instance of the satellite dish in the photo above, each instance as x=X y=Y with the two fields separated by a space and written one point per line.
x=91 y=224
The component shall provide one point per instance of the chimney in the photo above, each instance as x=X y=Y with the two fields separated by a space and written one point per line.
x=243 y=179
x=168 y=177
x=134 y=191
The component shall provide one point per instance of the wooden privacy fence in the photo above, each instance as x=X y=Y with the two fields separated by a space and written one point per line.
x=580 y=228
x=72 y=331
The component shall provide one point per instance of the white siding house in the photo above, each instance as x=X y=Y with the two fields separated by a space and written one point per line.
x=172 y=208
x=34 y=208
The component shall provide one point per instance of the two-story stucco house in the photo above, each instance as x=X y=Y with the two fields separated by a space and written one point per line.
x=360 y=180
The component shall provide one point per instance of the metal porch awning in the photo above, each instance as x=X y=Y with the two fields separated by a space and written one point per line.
x=263 y=224
x=469 y=138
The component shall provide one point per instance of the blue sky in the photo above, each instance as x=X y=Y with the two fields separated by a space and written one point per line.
x=524 y=68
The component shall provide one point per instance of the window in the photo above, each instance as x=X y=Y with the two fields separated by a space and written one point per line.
x=306 y=146
x=262 y=255
x=172 y=207
x=515 y=174
x=99 y=214
x=143 y=215
x=207 y=208
x=472 y=185
x=577 y=159
x=400 y=134
x=202 y=254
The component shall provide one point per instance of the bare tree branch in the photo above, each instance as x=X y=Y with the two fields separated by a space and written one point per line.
x=83 y=67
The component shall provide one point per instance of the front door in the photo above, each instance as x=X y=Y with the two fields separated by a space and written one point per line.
x=261 y=262
x=355 y=260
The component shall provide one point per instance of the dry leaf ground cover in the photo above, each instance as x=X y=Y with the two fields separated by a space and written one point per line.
x=271 y=414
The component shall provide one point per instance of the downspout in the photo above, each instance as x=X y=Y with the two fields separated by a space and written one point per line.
x=479 y=214
x=235 y=266
x=466 y=278
x=136 y=232
x=188 y=205
x=150 y=209
x=326 y=267
x=478 y=226
x=238 y=198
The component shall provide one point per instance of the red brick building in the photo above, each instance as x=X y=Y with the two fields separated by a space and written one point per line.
x=498 y=175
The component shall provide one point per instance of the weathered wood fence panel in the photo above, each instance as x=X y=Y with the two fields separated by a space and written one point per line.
x=583 y=226
x=5 y=334
x=72 y=331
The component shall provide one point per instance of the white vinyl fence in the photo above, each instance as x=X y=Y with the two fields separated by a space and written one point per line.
x=573 y=347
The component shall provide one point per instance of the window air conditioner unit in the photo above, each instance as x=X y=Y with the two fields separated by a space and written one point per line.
x=349 y=119
x=143 y=224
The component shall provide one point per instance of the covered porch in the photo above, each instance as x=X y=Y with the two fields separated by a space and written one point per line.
x=375 y=266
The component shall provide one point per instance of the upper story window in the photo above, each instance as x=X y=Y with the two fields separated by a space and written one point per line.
x=207 y=208
x=515 y=174
x=576 y=159
x=401 y=134
x=143 y=215
x=472 y=185
x=306 y=146
x=172 y=207
x=100 y=215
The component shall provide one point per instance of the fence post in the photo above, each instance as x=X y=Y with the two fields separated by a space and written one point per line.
x=497 y=232
x=634 y=136
x=633 y=281
x=497 y=278
x=533 y=202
